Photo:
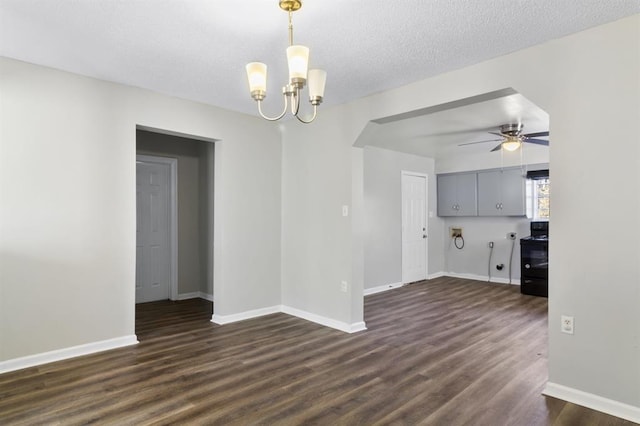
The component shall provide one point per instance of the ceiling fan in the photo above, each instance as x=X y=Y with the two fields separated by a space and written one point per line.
x=512 y=137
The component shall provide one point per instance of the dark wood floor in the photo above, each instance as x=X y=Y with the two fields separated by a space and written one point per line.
x=442 y=352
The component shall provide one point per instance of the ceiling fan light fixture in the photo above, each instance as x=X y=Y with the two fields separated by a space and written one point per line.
x=511 y=144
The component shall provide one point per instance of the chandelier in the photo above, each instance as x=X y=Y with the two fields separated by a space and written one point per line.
x=298 y=60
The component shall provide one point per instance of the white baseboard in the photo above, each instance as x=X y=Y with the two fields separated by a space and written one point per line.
x=227 y=319
x=66 y=353
x=318 y=319
x=381 y=288
x=327 y=322
x=482 y=278
x=386 y=287
x=195 y=295
x=186 y=296
x=595 y=402
x=205 y=296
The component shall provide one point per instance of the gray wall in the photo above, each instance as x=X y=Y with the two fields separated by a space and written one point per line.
x=473 y=260
x=585 y=81
x=383 y=215
x=67 y=252
x=194 y=195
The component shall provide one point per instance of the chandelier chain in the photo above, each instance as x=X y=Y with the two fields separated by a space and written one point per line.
x=290 y=30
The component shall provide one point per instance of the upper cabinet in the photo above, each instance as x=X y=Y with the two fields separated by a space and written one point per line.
x=457 y=195
x=482 y=193
x=501 y=193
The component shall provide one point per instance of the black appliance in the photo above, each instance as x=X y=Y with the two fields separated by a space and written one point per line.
x=534 y=261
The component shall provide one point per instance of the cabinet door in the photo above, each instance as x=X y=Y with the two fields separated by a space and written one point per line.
x=447 y=195
x=489 y=190
x=457 y=195
x=513 y=193
x=467 y=194
x=501 y=193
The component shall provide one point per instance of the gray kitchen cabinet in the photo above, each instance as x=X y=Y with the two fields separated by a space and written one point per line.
x=501 y=193
x=457 y=194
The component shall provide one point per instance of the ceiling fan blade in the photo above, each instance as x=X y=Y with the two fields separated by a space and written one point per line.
x=473 y=143
x=497 y=148
x=537 y=141
x=497 y=134
x=535 y=135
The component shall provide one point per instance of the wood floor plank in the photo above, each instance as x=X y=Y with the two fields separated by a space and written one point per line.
x=442 y=352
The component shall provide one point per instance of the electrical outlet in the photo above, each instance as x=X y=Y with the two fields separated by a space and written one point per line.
x=511 y=235
x=344 y=286
x=566 y=324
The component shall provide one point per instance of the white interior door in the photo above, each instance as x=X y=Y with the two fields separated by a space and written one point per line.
x=153 y=256
x=414 y=227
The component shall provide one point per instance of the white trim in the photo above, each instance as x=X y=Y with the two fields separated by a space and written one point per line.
x=318 y=319
x=187 y=296
x=205 y=296
x=381 y=288
x=66 y=353
x=227 y=319
x=482 y=278
x=595 y=402
x=327 y=322
x=173 y=216
x=404 y=173
x=387 y=287
x=196 y=295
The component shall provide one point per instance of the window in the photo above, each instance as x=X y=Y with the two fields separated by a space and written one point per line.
x=538 y=195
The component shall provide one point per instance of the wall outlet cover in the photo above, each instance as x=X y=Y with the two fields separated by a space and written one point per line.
x=566 y=325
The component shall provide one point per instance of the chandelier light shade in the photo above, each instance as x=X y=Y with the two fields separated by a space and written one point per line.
x=317 y=80
x=298 y=59
x=299 y=75
x=257 y=75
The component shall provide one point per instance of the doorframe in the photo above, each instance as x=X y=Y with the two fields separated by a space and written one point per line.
x=173 y=216
x=404 y=173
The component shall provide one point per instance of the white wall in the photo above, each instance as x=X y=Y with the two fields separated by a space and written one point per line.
x=383 y=215
x=67 y=206
x=586 y=82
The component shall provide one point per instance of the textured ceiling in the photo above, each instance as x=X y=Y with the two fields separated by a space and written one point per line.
x=197 y=49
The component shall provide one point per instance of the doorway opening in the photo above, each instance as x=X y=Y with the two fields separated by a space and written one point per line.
x=174 y=217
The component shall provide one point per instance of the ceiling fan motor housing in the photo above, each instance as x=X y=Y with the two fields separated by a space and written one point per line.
x=511 y=129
